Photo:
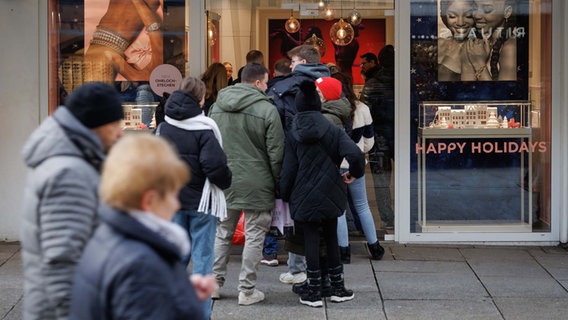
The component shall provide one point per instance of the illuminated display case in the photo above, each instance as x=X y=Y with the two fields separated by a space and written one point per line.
x=474 y=167
x=479 y=118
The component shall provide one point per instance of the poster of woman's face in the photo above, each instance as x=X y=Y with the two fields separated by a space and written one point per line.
x=477 y=40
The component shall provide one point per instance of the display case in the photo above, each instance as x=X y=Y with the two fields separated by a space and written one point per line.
x=483 y=118
x=471 y=135
x=139 y=116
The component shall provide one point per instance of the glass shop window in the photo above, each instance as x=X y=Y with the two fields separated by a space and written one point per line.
x=140 y=47
x=481 y=116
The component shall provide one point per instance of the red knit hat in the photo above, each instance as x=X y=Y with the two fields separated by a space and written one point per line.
x=329 y=87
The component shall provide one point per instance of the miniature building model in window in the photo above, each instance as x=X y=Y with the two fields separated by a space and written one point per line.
x=132 y=118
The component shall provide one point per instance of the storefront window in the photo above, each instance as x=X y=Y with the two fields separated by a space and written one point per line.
x=480 y=106
x=140 y=47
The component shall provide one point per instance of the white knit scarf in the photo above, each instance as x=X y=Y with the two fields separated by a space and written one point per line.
x=212 y=197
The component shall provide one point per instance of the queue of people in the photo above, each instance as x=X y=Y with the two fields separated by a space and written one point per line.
x=109 y=232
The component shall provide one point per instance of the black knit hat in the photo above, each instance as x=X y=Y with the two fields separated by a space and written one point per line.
x=95 y=104
x=307 y=98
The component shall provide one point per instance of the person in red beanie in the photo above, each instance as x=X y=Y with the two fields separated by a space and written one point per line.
x=334 y=106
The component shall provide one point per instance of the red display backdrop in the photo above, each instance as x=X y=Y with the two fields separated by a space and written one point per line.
x=369 y=37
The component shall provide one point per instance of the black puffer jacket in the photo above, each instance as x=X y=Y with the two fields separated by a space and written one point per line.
x=284 y=91
x=199 y=149
x=310 y=178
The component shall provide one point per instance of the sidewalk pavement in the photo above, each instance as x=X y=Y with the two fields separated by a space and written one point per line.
x=411 y=282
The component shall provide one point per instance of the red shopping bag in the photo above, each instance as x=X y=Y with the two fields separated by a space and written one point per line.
x=239 y=236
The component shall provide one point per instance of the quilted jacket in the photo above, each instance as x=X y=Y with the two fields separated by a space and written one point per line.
x=310 y=179
x=60 y=205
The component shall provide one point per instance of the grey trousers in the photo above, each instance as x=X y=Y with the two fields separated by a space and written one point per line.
x=257 y=224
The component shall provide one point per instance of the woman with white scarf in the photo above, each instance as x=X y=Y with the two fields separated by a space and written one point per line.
x=198 y=142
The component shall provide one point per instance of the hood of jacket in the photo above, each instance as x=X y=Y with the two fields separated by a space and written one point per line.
x=311 y=70
x=182 y=105
x=240 y=96
x=309 y=126
x=339 y=108
x=62 y=135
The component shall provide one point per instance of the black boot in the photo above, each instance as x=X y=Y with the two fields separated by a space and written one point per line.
x=376 y=250
x=338 y=291
x=302 y=288
x=345 y=254
x=312 y=297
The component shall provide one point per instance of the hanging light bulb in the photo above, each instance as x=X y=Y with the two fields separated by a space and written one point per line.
x=341 y=33
x=292 y=25
x=321 y=4
x=317 y=42
x=211 y=33
x=328 y=13
x=355 y=17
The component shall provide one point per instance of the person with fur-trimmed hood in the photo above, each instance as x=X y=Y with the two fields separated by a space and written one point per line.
x=311 y=183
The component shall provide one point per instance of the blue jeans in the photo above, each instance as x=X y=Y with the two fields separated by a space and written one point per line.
x=201 y=228
x=358 y=194
x=270 y=250
x=296 y=263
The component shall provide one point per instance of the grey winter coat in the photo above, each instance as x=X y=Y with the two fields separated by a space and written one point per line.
x=310 y=178
x=60 y=204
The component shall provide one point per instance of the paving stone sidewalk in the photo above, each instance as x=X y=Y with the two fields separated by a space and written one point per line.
x=411 y=282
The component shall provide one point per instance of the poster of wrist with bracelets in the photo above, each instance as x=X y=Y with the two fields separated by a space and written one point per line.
x=478 y=40
x=123 y=37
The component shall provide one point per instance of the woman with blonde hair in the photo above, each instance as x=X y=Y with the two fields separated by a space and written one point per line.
x=131 y=266
x=215 y=79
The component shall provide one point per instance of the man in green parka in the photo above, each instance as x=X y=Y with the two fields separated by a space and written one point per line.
x=253 y=140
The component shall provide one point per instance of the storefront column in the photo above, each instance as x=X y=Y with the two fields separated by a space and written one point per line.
x=560 y=149
x=197 y=40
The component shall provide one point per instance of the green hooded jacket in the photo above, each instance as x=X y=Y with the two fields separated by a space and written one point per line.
x=253 y=140
x=337 y=111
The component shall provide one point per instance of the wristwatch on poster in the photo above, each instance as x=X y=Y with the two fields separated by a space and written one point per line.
x=153 y=27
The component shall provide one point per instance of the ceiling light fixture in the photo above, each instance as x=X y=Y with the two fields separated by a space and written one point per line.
x=292 y=25
x=341 y=32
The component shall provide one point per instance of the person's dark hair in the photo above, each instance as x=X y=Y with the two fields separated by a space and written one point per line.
x=386 y=56
x=194 y=86
x=306 y=52
x=252 y=72
x=255 y=56
x=347 y=88
x=496 y=49
x=369 y=56
x=215 y=79
x=445 y=4
x=282 y=66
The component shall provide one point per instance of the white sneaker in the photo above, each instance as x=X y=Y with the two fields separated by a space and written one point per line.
x=216 y=295
x=248 y=299
x=289 y=278
x=269 y=262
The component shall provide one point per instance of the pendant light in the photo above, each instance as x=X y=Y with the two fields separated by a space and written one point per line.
x=355 y=17
x=328 y=12
x=292 y=25
x=341 y=32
